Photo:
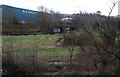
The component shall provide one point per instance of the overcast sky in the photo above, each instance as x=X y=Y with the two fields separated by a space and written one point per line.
x=66 y=6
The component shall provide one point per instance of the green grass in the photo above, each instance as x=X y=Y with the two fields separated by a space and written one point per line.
x=44 y=45
x=60 y=51
x=30 y=37
x=56 y=52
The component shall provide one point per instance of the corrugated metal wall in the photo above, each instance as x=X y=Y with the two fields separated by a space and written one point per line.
x=23 y=15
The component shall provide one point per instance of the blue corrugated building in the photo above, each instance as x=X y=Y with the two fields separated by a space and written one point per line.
x=13 y=18
x=22 y=15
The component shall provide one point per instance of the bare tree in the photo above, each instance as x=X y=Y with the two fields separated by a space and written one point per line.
x=48 y=19
x=107 y=47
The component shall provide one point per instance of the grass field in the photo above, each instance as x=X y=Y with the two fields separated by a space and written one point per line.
x=43 y=45
x=38 y=54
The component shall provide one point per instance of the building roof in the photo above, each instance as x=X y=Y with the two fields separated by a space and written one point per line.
x=17 y=7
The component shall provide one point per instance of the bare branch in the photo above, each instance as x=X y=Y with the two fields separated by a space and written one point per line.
x=114 y=3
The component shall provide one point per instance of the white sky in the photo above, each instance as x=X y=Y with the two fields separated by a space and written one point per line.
x=66 y=6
